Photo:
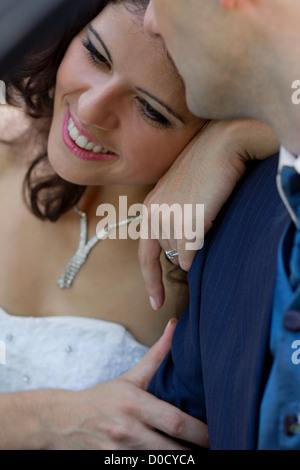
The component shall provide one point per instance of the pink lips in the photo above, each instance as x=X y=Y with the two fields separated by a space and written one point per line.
x=83 y=154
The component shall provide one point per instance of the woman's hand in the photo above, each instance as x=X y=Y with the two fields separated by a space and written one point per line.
x=118 y=414
x=205 y=173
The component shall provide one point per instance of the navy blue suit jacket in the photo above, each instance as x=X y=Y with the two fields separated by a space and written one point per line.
x=219 y=362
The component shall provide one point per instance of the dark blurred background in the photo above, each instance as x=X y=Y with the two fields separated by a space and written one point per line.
x=26 y=23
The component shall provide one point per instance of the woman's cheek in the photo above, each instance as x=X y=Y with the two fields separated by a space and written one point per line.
x=69 y=73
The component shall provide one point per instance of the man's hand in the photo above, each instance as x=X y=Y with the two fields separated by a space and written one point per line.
x=121 y=414
x=205 y=173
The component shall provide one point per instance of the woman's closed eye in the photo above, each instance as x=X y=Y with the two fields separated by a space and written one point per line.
x=94 y=55
x=145 y=109
x=149 y=113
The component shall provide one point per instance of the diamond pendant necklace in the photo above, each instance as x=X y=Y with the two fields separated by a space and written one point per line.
x=84 y=248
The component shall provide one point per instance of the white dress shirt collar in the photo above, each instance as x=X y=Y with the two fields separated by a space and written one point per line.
x=286 y=158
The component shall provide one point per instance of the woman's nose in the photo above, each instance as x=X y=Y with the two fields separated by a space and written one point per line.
x=101 y=106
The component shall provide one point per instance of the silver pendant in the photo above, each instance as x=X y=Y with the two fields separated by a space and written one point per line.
x=84 y=248
x=80 y=257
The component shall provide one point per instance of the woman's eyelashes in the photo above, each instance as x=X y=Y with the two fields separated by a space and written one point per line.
x=151 y=114
x=96 y=57
x=145 y=109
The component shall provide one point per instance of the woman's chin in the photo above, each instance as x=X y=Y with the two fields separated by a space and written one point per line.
x=65 y=172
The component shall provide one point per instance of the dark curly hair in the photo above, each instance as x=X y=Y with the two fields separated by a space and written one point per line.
x=31 y=85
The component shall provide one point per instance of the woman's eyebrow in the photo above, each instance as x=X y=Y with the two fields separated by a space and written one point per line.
x=145 y=92
x=97 y=36
x=167 y=108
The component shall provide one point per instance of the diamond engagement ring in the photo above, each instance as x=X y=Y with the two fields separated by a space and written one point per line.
x=171 y=254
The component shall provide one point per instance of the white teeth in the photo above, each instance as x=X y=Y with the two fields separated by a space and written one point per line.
x=82 y=141
x=74 y=133
x=97 y=149
x=90 y=146
x=71 y=125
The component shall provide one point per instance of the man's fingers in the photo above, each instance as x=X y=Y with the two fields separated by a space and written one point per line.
x=149 y=256
x=141 y=375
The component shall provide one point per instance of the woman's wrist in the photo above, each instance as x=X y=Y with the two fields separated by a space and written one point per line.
x=26 y=419
x=251 y=139
x=52 y=420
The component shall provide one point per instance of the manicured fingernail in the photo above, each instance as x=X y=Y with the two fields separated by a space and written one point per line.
x=153 y=303
x=173 y=320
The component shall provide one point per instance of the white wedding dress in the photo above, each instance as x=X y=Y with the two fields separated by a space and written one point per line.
x=63 y=352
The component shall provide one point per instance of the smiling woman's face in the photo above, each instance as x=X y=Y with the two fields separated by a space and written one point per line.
x=120 y=115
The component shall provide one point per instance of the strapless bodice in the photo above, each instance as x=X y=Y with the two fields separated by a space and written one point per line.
x=72 y=353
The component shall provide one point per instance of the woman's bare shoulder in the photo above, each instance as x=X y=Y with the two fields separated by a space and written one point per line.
x=14 y=131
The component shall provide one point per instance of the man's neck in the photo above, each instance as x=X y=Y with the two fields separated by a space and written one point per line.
x=282 y=114
x=278 y=70
x=261 y=88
